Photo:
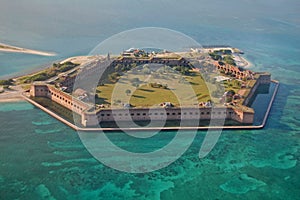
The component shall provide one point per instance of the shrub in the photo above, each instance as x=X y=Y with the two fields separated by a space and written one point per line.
x=229 y=60
x=6 y=82
x=215 y=56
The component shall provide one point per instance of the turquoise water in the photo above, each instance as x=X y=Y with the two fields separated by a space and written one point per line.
x=43 y=159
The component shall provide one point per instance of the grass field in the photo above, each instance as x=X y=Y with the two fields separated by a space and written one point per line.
x=181 y=90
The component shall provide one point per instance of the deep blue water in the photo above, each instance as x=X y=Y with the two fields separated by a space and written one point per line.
x=43 y=159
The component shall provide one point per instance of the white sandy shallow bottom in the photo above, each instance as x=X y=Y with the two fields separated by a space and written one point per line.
x=14 y=49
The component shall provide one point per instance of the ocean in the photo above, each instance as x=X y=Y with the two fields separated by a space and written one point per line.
x=41 y=158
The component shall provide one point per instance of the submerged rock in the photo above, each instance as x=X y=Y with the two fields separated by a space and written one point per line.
x=284 y=159
x=43 y=192
x=241 y=184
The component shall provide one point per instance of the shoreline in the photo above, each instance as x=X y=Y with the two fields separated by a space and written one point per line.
x=13 y=94
x=242 y=62
x=14 y=49
x=10 y=100
x=237 y=56
x=41 y=67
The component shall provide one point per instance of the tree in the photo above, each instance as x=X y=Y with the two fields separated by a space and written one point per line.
x=133 y=65
x=135 y=80
x=215 y=56
x=118 y=68
x=230 y=92
x=113 y=77
x=135 y=85
x=146 y=69
x=229 y=60
x=128 y=92
x=228 y=99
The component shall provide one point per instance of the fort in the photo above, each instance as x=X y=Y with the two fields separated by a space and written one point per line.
x=62 y=93
x=137 y=114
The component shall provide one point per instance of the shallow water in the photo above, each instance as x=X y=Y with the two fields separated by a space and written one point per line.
x=41 y=158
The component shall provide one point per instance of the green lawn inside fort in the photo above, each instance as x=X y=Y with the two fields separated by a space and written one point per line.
x=146 y=90
x=141 y=89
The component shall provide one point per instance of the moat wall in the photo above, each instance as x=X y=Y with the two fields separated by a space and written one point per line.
x=137 y=114
x=262 y=79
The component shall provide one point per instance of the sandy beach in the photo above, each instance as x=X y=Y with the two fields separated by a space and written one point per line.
x=239 y=59
x=11 y=95
x=14 y=49
x=16 y=99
